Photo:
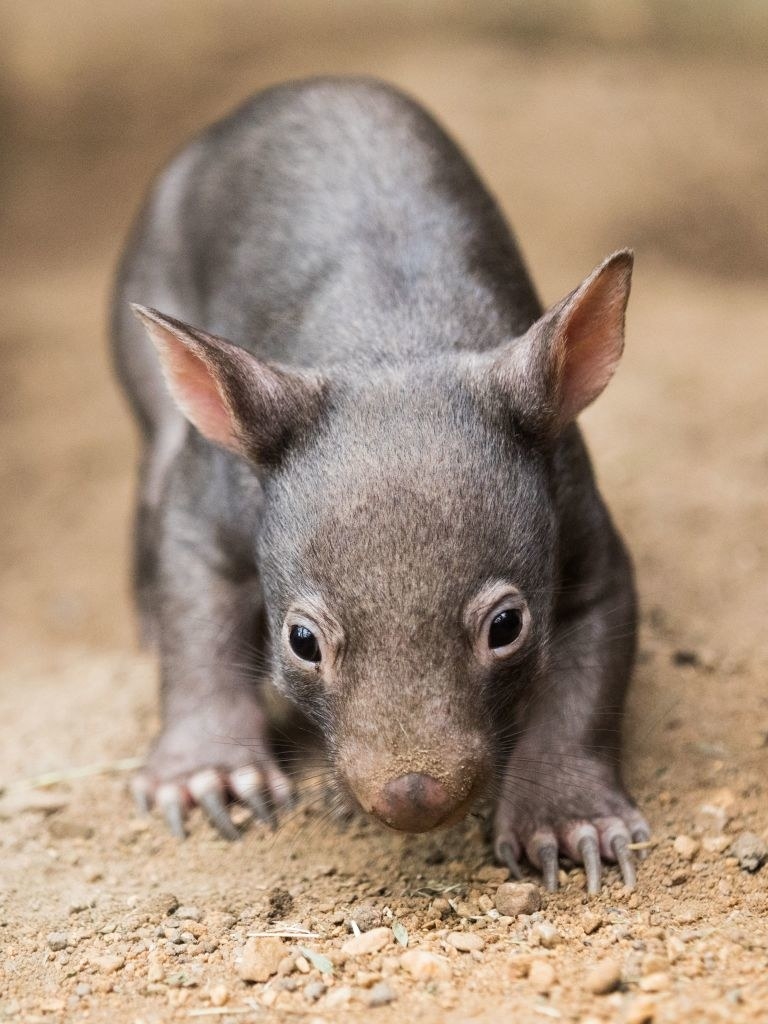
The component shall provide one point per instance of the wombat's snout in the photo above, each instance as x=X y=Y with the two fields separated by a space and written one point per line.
x=428 y=780
x=413 y=803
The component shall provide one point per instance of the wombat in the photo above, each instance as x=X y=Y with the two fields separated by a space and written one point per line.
x=383 y=505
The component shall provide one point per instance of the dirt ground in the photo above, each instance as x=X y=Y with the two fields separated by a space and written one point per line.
x=103 y=917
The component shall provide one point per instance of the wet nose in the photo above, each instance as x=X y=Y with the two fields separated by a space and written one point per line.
x=413 y=803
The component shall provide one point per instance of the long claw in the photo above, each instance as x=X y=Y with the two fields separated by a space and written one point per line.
x=206 y=789
x=625 y=860
x=641 y=835
x=171 y=805
x=548 y=859
x=256 y=802
x=246 y=785
x=507 y=855
x=212 y=804
x=590 y=855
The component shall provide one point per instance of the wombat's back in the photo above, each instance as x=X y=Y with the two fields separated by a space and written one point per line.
x=325 y=220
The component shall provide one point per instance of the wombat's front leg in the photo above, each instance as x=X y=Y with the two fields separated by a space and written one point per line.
x=213 y=745
x=562 y=790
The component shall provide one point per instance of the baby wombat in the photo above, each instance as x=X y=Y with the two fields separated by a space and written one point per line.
x=383 y=504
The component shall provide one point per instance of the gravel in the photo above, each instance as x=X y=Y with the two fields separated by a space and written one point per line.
x=750 y=851
x=380 y=994
x=686 y=847
x=603 y=977
x=514 y=898
x=542 y=976
x=466 y=942
x=261 y=958
x=425 y=966
x=368 y=942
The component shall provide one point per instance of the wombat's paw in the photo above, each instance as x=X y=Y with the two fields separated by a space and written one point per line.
x=599 y=823
x=182 y=773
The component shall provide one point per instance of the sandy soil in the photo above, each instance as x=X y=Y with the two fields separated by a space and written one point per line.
x=105 y=918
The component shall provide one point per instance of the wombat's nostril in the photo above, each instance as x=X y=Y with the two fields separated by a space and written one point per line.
x=413 y=803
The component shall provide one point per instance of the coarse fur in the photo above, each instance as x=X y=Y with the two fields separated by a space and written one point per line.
x=392 y=434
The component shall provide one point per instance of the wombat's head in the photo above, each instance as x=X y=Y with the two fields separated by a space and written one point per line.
x=408 y=552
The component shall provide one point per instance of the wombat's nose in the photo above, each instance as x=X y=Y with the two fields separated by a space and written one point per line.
x=413 y=803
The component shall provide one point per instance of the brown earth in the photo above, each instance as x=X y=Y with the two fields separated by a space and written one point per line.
x=587 y=150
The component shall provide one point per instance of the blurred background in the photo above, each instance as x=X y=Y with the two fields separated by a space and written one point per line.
x=598 y=125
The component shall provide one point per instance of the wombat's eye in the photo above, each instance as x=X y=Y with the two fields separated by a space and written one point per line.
x=498 y=621
x=304 y=643
x=505 y=628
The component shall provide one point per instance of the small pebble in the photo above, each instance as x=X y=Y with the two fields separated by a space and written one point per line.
x=542 y=976
x=287 y=965
x=660 y=981
x=513 y=898
x=190 y=913
x=491 y=873
x=367 y=942
x=367 y=979
x=261 y=958
x=380 y=995
x=109 y=964
x=545 y=934
x=366 y=916
x=57 y=941
x=465 y=942
x=425 y=966
x=686 y=847
x=155 y=972
x=716 y=844
x=314 y=989
x=750 y=851
x=159 y=906
x=338 y=997
x=590 y=922
x=468 y=910
x=641 y=1011
x=218 y=995
x=603 y=978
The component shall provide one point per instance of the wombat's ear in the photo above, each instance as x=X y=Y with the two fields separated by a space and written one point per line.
x=234 y=399
x=568 y=356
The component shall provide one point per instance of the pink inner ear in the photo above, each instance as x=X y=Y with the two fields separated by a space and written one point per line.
x=592 y=340
x=193 y=385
